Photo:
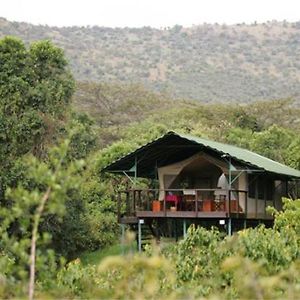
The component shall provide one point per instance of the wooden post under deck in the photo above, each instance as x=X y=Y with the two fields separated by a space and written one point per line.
x=229 y=229
x=196 y=203
x=265 y=199
x=140 y=222
x=184 y=228
x=165 y=209
x=256 y=197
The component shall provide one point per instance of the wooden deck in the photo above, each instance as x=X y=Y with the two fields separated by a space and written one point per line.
x=201 y=204
x=181 y=214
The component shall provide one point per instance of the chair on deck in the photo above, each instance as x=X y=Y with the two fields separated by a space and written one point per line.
x=175 y=199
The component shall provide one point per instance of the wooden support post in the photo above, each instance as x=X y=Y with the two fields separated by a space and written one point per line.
x=229 y=229
x=246 y=204
x=148 y=197
x=148 y=203
x=139 y=200
x=196 y=203
x=245 y=224
x=265 y=198
x=165 y=209
x=127 y=203
x=184 y=228
x=122 y=237
x=238 y=204
x=229 y=202
x=256 y=197
x=134 y=202
x=140 y=222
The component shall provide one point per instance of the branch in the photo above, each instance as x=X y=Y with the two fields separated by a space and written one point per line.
x=37 y=218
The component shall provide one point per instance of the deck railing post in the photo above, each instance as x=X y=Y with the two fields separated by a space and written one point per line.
x=139 y=200
x=127 y=203
x=229 y=200
x=196 y=203
x=265 y=201
x=123 y=237
x=246 y=204
x=184 y=228
x=238 y=204
x=256 y=198
x=148 y=202
x=165 y=210
x=134 y=200
x=148 y=199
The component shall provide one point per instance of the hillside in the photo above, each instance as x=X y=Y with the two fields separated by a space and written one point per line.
x=208 y=62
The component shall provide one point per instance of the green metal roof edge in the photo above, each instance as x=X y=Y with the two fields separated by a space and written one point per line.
x=139 y=149
x=240 y=154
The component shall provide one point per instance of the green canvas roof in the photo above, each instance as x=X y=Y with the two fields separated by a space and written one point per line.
x=173 y=147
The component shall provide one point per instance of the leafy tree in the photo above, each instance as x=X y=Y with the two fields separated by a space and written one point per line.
x=27 y=206
x=246 y=121
x=272 y=142
x=293 y=153
x=35 y=92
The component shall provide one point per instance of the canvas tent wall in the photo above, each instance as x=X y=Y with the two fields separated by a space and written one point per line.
x=200 y=164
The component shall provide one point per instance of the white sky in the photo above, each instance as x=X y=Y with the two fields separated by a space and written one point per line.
x=155 y=13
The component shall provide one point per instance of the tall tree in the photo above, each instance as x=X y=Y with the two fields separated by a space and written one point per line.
x=35 y=91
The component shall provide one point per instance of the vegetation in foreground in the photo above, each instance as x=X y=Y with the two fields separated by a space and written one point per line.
x=255 y=263
x=50 y=155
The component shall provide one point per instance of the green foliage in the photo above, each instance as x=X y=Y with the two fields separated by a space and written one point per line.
x=272 y=142
x=197 y=259
x=90 y=221
x=255 y=263
x=251 y=282
x=293 y=153
x=36 y=78
x=95 y=257
x=240 y=137
x=287 y=220
x=54 y=179
x=35 y=93
x=269 y=247
x=200 y=243
x=115 y=278
x=83 y=140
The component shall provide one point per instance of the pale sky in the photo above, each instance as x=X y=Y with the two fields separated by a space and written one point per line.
x=154 y=13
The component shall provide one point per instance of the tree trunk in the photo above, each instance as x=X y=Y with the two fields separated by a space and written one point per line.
x=35 y=227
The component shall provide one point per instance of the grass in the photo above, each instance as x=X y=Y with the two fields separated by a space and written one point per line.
x=95 y=257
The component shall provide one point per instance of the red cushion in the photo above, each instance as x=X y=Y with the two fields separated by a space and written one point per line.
x=173 y=198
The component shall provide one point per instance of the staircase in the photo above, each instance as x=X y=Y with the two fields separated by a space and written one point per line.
x=147 y=233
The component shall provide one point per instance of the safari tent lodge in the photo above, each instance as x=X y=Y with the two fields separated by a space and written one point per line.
x=194 y=180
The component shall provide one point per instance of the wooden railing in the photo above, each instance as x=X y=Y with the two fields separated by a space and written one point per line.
x=182 y=200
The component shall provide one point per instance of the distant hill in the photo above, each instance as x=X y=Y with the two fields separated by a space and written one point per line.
x=207 y=62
